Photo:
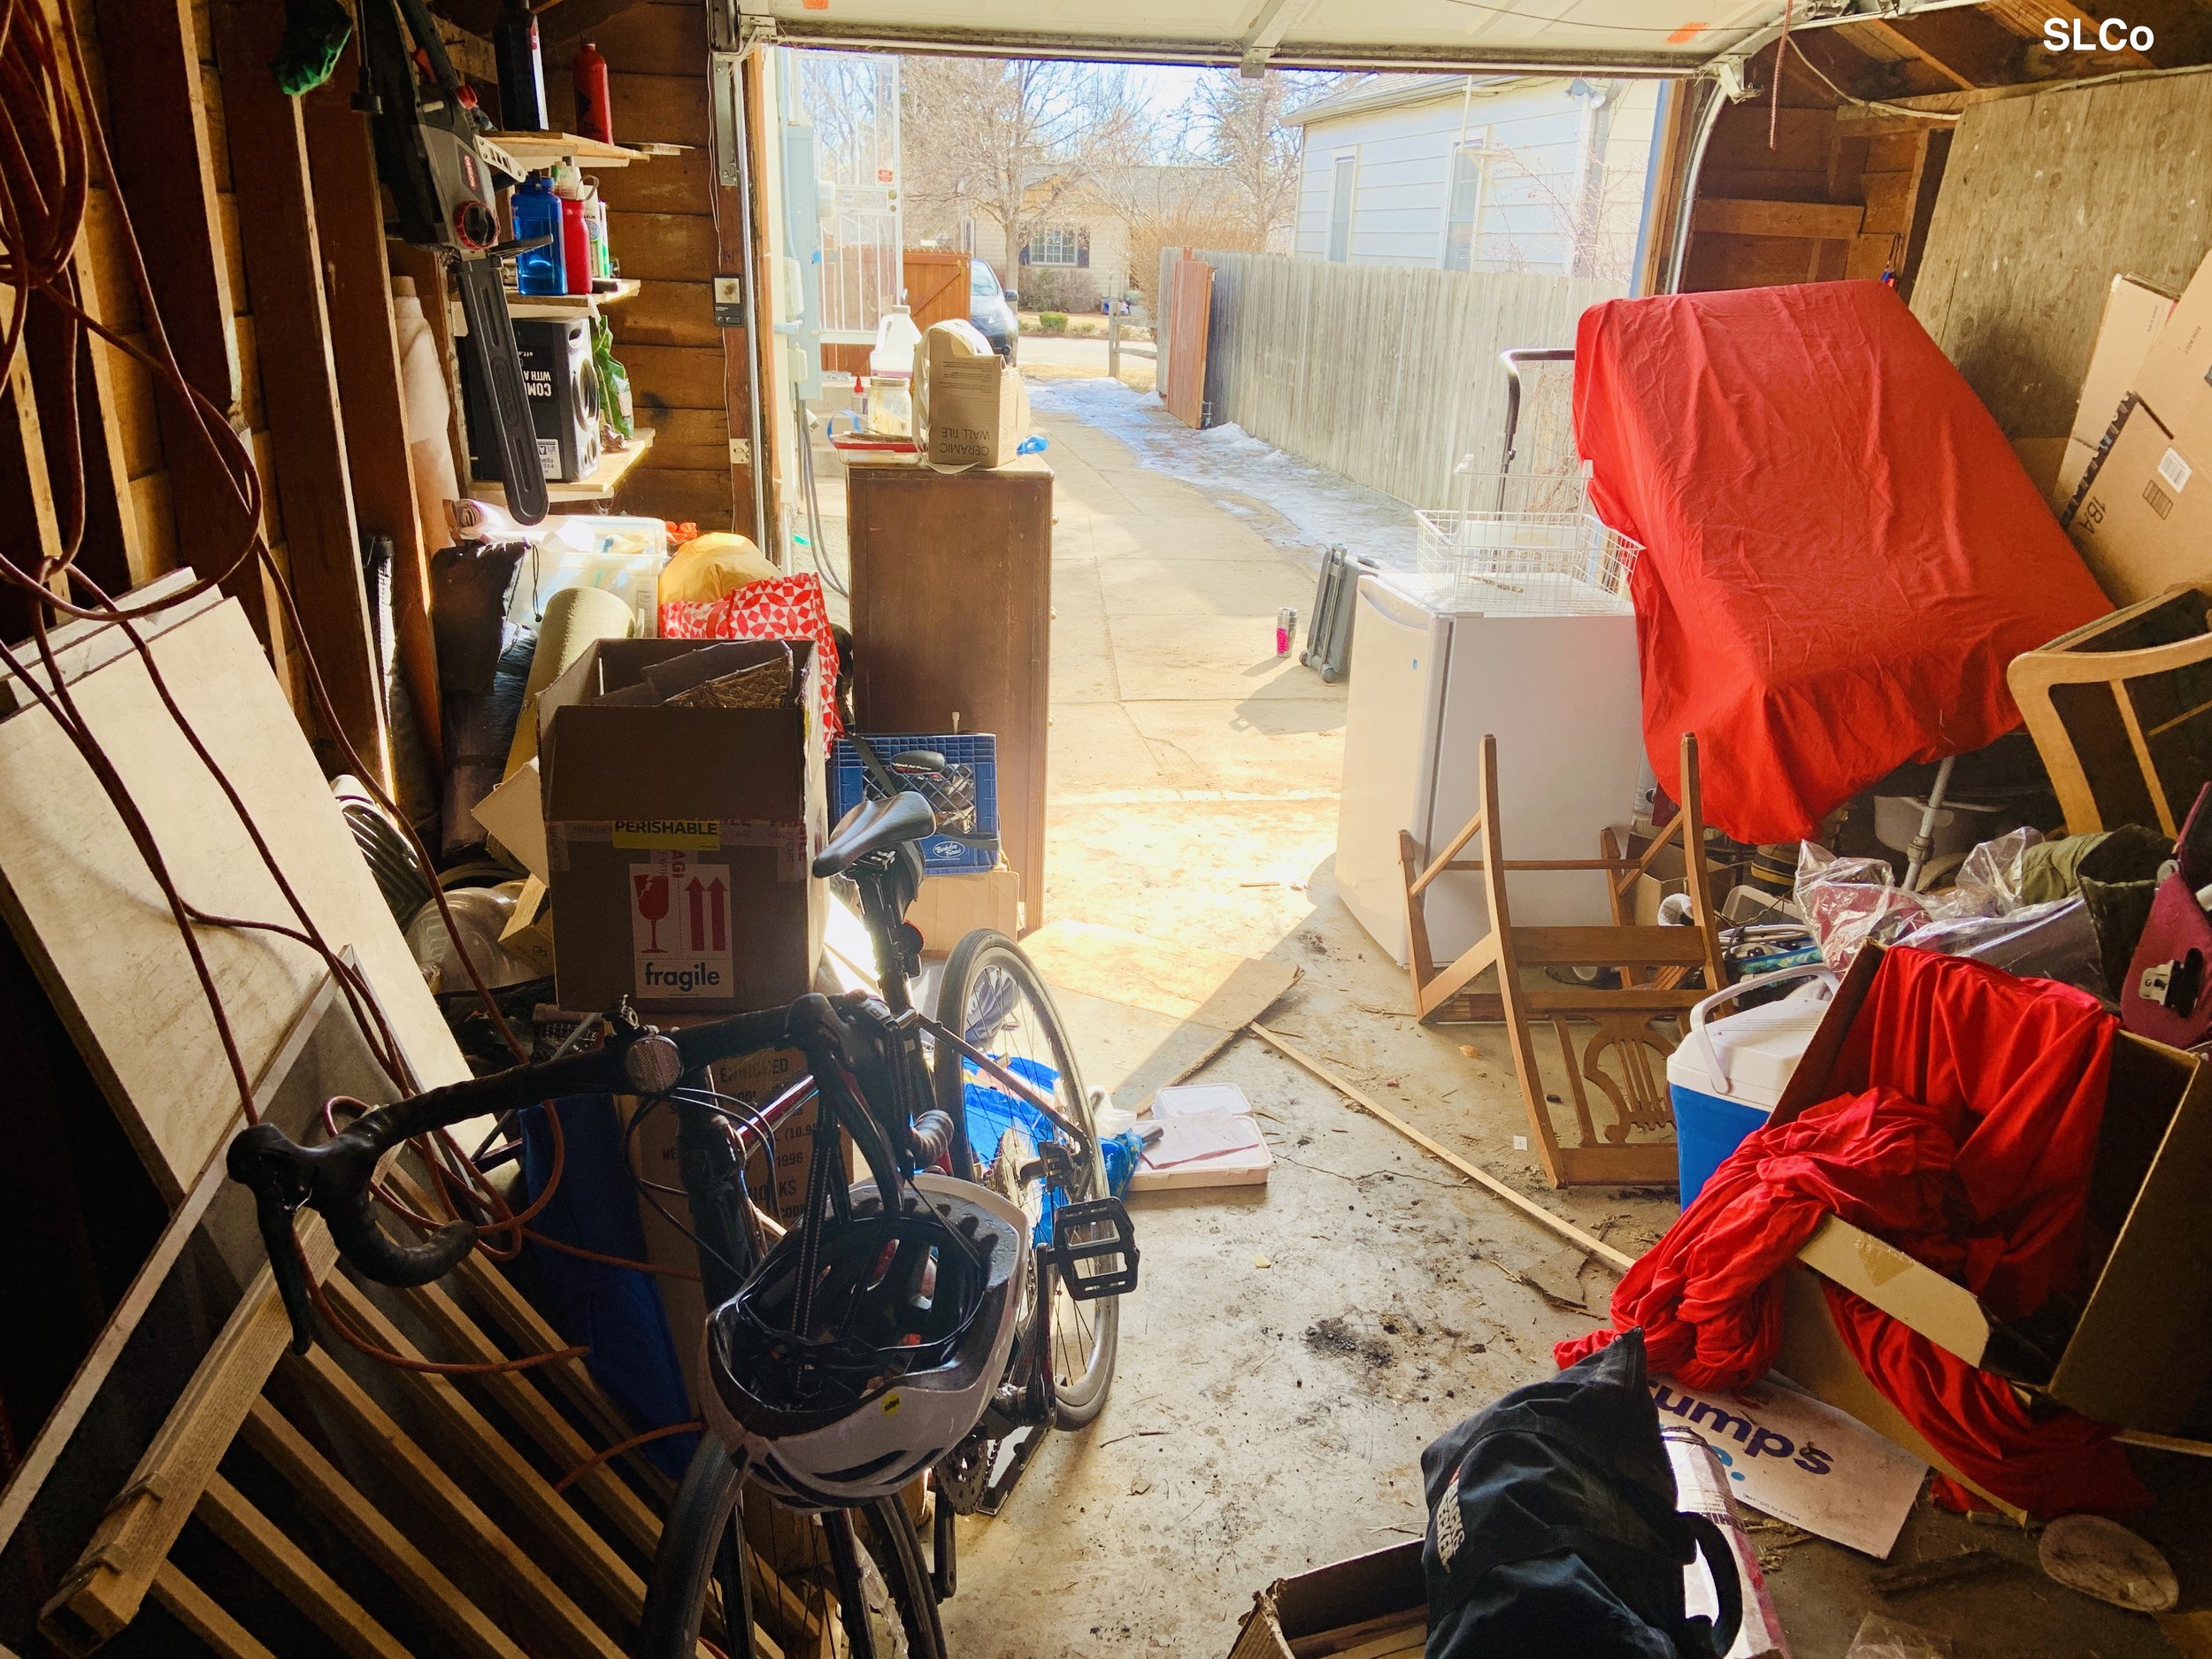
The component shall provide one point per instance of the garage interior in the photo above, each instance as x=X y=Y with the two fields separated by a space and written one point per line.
x=363 y=735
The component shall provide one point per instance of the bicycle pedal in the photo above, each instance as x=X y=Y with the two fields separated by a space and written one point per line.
x=1095 y=1247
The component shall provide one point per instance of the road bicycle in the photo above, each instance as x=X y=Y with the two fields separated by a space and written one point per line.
x=987 y=1092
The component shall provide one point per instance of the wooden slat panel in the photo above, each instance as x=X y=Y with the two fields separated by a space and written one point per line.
x=662 y=109
x=663 y=247
x=585 y=1551
x=166 y=164
x=265 y=1548
x=702 y=497
x=1628 y=946
x=435 y=1491
x=309 y=1473
x=349 y=220
x=1815 y=220
x=299 y=380
x=666 y=313
x=198 y=1612
x=679 y=183
x=677 y=377
x=936 y=285
x=660 y=39
x=688 y=440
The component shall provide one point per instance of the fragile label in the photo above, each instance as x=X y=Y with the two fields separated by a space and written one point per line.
x=2174 y=470
x=679 y=929
x=672 y=834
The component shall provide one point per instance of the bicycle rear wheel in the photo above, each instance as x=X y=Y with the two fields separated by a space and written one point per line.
x=700 y=1584
x=996 y=999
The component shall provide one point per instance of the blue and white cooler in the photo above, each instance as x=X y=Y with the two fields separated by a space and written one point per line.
x=1728 y=1074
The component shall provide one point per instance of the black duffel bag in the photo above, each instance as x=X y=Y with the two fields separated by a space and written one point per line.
x=1552 y=1530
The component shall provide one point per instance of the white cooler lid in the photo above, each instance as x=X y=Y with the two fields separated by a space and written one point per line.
x=1757 y=1048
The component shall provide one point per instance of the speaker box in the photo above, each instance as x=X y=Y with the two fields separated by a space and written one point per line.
x=563 y=387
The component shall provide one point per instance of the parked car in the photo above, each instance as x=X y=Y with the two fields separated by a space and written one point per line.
x=991 y=309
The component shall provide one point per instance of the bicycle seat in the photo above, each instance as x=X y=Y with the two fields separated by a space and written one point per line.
x=918 y=760
x=872 y=826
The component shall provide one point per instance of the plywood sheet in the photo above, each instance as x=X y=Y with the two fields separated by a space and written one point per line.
x=2044 y=200
x=1144 y=1013
x=1190 y=310
x=91 y=919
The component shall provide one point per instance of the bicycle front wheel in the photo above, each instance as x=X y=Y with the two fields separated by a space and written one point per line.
x=702 y=1581
x=995 y=998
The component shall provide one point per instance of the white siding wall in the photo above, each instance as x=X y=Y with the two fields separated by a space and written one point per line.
x=1532 y=192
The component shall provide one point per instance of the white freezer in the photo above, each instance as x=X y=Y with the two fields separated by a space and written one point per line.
x=1560 y=694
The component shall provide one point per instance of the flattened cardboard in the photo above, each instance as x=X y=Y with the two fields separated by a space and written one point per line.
x=951 y=906
x=2135 y=314
x=2172 y=379
x=739 y=791
x=2145 y=522
x=1328 y=1598
x=2139 y=1356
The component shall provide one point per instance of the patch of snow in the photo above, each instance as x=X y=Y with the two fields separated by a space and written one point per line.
x=1292 y=502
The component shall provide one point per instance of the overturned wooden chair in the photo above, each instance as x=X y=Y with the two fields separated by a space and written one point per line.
x=1623 y=1058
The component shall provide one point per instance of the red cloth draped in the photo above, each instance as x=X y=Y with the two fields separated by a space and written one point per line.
x=1965 y=1138
x=1841 y=553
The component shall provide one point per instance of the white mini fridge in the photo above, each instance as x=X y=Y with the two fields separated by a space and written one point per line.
x=1560 y=693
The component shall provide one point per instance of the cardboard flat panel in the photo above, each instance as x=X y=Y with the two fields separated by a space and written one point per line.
x=2142 y=1353
x=92 y=921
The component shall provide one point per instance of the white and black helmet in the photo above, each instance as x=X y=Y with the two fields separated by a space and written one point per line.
x=908 y=1331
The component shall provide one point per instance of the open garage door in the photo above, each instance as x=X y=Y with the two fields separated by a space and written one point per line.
x=1634 y=37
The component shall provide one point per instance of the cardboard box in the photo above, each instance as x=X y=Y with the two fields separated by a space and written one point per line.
x=950 y=908
x=2172 y=379
x=975 y=410
x=2139 y=1357
x=2135 y=314
x=2075 y=463
x=2145 y=522
x=513 y=815
x=1384 y=1590
x=678 y=839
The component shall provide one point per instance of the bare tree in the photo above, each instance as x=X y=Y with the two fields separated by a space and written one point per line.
x=1240 y=129
x=1010 y=140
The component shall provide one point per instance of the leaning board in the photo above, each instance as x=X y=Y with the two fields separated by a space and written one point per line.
x=91 y=919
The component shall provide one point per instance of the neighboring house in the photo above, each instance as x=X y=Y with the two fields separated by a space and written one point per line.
x=1476 y=173
x=1079 y=248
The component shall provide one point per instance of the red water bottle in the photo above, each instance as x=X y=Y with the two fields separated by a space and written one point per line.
x=594 y=117
x=575 y=245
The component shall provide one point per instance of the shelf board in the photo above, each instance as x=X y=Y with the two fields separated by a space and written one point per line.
x=558 y=307
x=605 y=478
x=544 y=150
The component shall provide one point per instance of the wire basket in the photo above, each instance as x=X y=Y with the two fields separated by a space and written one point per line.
x=1537 y=549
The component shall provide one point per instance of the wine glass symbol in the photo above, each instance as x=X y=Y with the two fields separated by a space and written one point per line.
x=652 y=904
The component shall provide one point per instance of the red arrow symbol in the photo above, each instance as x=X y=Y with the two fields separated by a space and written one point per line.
x=720 y=912
x=696 y=895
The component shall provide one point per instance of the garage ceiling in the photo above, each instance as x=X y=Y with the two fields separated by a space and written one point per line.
x=1647 y=37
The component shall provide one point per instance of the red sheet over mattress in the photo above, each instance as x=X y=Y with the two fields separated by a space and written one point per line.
x=1841 y=551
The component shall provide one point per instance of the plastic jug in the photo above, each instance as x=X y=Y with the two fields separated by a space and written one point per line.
x=896 y=339
x=536 y=212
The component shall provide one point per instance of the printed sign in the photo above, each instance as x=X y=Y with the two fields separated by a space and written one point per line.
x=679 y=929
x=1800 y=1460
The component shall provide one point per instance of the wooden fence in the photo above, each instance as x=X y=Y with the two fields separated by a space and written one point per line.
x=1386 y=375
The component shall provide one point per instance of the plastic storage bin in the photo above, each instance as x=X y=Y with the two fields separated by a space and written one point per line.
x=1728 y=1074
x=965 y=800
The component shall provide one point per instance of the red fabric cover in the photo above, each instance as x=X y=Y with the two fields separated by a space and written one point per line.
x=781 y=608
x=1964 y=1137
x=1841 y=552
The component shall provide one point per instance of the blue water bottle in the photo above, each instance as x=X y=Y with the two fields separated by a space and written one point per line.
x=536 y=212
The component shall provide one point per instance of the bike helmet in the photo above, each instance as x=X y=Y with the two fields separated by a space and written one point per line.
x=910 y=1326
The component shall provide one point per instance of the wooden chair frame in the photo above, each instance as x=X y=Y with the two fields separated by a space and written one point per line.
x=1652 y=961
x=2099 y=750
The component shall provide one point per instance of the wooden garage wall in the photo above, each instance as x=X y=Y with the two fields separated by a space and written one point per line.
x=2046 y=198
x=1811 y=194
x=661 y=224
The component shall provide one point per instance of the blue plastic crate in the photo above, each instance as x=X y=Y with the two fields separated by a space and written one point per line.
x=971 y=757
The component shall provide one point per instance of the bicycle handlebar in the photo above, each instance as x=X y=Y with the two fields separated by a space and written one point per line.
x=334 y=1179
